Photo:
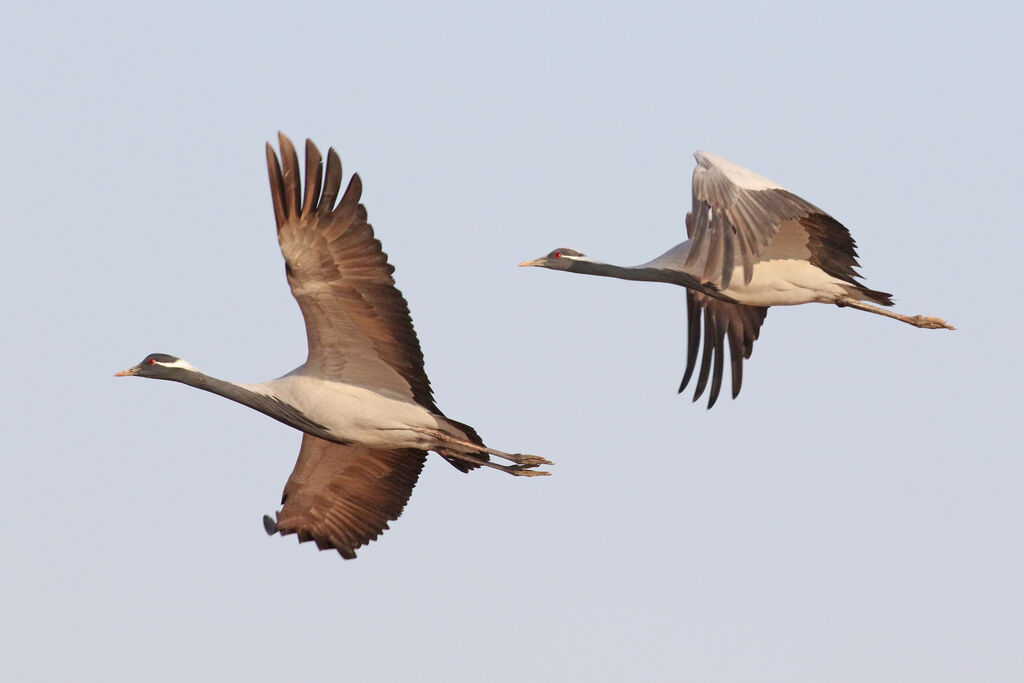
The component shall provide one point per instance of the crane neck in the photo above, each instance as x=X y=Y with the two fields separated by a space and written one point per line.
x=649 y=273
x=265 y=403
x=637 y=273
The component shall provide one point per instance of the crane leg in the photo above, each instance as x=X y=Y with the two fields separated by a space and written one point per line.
x=525 y=470
x=915 y=320
x=459 y=445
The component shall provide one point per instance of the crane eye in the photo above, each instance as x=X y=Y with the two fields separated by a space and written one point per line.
x=152 y=361
x=558 y=254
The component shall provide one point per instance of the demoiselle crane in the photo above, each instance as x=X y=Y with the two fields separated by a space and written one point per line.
x=751 y=244
x=362 y=398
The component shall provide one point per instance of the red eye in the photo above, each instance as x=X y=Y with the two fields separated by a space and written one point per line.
x=558 y=254
x=152 y=362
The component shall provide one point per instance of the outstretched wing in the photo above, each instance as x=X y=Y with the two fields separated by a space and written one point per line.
x=741 y=324
x=735 y=216
x=343 y=496
x=358 y=326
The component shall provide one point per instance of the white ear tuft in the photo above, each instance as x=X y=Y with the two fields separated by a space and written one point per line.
x=179 y=363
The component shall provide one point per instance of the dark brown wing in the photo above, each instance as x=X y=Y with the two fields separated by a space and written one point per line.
x=343 y=497
x=741 y=324
x=358 y=326
x=735 y=216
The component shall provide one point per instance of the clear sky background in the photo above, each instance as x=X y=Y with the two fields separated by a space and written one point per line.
x=854 y=516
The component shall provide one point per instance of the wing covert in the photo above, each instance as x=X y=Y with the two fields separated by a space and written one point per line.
x=735 y=216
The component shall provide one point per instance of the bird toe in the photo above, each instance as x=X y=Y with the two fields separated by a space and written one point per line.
x=526 y=471
x=531 y=460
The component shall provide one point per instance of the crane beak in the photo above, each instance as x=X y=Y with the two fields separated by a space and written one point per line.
x=532 y=262
x=127 y=373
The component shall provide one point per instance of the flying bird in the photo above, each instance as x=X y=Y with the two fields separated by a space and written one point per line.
x=751 y=244
x=362 y=398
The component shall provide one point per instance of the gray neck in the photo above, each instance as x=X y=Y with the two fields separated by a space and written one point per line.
x=266 y=404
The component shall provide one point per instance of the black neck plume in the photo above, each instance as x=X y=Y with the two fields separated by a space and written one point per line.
x=648 y=274
x=268 y=405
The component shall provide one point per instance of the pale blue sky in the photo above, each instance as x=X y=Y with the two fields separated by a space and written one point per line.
x=854 y=516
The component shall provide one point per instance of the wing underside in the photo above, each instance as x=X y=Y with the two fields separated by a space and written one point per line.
x=343 y=496
x=358 y=325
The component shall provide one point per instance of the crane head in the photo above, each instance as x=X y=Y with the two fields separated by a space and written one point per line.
x=158 y=365
x=557 y=259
